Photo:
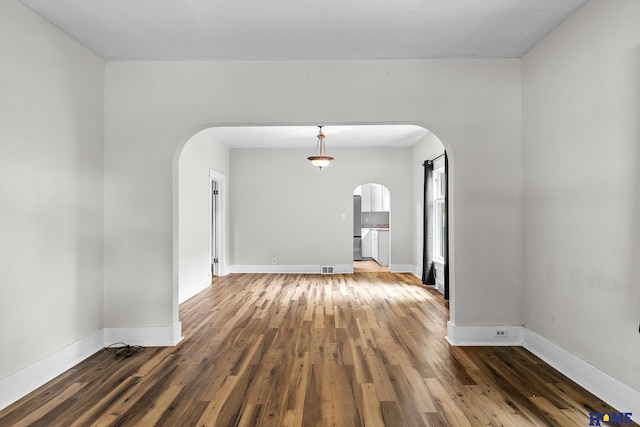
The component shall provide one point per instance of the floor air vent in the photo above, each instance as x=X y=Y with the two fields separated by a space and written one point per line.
x=326 y=269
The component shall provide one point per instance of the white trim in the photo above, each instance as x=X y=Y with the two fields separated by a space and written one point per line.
x=611 y=390
x=222 y=225
x=617 y=394
x=481 y=335
x=343 y=268
x=290 y=269
x=267 y=269
x=26 y=380
x=417 y=271
x=153 y=336
x=315 y=269
x=401 y=268
x=177 y=333
x=604 y=386
x=191 y=291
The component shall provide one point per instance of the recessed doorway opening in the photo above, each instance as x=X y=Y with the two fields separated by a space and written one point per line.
x=371 y=232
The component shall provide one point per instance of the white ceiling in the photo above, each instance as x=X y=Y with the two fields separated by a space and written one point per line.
x=306 y=136
x=306 y=29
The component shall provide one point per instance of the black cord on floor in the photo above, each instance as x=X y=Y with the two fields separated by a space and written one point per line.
x=123 y=350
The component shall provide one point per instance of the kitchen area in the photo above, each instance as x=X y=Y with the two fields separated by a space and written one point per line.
x=371 y=209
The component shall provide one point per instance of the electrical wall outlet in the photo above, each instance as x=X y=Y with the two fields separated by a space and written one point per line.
x=274 y=261
x=500 y=333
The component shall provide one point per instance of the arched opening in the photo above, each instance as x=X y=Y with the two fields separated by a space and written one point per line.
x=280 y=204
x=371 y=230
x=202 y=214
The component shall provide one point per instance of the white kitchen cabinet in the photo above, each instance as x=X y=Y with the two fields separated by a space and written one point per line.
x=374 y=244
x=383 y=248
x=365 y=192
x=375 y=198
x=380 y=246
x=386 y=199
x=366 y=243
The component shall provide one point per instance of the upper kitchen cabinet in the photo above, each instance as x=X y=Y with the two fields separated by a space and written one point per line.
x=365 y=193
x=375 y=198
x=386 y=199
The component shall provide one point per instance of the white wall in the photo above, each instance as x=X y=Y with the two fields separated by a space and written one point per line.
x=200 y=155
x=153 y=107
x=427 y=148
x=283 y=207
x=51 y=198
x=581 y=133
x=580 y=103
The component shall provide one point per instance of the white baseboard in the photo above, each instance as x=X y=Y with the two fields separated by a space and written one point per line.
x=401 y=268
x=313 y=269
x=617 y=394
x=417 y=271
x=26 y=380
x=290 y=269
x=185 y=293
x=223 y=270
x=464 y=335
x=343 y=268
x=152 y=336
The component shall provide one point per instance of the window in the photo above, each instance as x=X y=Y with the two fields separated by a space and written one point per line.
x=439 y=213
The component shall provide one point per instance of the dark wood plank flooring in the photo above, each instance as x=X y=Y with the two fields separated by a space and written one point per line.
x=306 y=350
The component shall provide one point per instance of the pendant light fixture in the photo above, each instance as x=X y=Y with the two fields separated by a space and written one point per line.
x=320 y=159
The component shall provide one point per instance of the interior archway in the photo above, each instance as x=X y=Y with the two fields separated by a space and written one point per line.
x=228 y=148
x=371 y=231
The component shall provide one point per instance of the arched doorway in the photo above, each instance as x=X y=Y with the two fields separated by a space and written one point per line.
x=371 y=229
x=358 y=167
x=202 y=214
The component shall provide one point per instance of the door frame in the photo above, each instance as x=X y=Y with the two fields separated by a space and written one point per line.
x=219 y=181
x=390 y=232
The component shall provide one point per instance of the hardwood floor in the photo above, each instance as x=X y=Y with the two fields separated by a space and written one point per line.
x=368 y=266
x=306 y=350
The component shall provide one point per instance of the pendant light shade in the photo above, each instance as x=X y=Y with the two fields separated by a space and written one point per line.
x=320 y=158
